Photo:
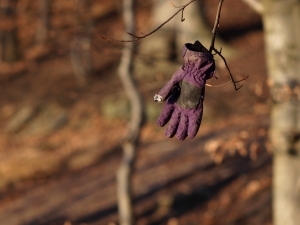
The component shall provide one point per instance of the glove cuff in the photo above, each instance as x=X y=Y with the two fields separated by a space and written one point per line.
x=197 y=49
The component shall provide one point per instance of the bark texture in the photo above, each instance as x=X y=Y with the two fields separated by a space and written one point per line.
x=282 y=36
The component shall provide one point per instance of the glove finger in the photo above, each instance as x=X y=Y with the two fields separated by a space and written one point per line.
x=195 y=122
x=174 y=121
x=182 y=130
x=165 y=114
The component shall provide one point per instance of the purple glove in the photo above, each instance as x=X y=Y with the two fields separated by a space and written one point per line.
x=185 y=92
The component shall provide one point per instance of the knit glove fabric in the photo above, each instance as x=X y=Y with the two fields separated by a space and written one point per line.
x=184 y=93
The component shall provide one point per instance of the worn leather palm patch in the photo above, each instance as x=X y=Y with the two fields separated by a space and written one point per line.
x=190 y=95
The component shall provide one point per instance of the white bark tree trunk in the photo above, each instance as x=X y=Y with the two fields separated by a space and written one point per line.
x=282 y=37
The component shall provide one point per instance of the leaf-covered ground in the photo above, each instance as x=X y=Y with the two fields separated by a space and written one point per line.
x=60 y=142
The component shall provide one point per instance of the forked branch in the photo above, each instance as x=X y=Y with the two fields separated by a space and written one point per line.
x=212 y=48
x=216 y=26
x=230 y=74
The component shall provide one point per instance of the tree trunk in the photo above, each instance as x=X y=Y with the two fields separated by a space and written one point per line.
x=41 y=34
x=9 y=44
x=125 y=170
x=80 y=46
x=282 y=38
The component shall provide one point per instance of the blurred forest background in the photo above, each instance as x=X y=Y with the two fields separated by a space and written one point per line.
x=63 y=114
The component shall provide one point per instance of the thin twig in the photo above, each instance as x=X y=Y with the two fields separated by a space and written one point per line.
x=216 y=26
x=229 y=82
x=137 y=38
x=212 y=48
x=177 y=7
x=230 y=74
x=215 y=86
x=219 y=52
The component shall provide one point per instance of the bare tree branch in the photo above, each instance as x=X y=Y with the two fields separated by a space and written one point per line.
x=230 y=74
x=219 y=52
x=216 y=26
x=211 y=48
x=256 y=5
x=137 y=38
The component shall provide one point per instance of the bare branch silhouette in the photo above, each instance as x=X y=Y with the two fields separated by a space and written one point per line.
x=137 y=38
x=219 y=52
x=212 y=48
x=230 y=74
